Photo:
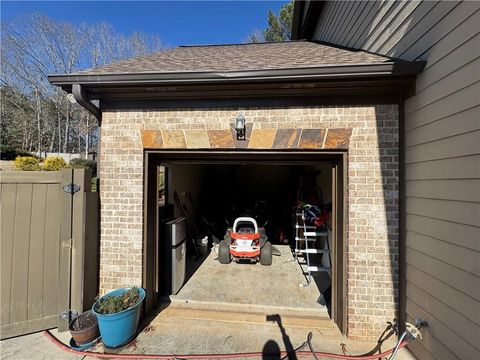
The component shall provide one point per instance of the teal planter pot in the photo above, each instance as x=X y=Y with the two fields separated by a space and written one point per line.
x=120 y=328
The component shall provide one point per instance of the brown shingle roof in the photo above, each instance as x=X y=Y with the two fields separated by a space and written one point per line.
x=243 y=57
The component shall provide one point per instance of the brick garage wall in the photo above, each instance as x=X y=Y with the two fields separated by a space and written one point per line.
x=372 y=233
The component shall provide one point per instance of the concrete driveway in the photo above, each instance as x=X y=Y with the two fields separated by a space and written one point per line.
x=35 y=346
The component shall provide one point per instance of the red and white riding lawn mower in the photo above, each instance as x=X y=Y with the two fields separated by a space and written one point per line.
x=245 y=241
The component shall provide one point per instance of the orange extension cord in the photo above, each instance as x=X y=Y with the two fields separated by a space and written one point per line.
x=64 y=347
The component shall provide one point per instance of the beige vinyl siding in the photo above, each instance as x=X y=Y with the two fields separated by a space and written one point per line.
x=442 y=155
x=362 y=21
x=454 y=168
x=404 y=29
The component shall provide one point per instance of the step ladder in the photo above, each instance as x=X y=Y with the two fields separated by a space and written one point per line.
x=309 y=236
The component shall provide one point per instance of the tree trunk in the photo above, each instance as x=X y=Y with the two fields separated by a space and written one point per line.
x=52 y=142
x=59 y=130
x=39 y=124
x=59 y=125
x=25 y=135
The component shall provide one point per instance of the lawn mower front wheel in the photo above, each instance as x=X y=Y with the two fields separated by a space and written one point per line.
x=224 y=256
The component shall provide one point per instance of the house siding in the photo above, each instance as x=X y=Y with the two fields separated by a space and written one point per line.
x=442 y=154
x=372 y=232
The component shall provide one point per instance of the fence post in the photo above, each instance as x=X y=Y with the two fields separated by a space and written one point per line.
x=84 y=254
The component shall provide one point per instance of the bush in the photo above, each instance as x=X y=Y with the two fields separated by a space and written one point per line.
x=84 y=164
x=9 y=153
x=54 y=163
x=115 y=304
x=27 y=163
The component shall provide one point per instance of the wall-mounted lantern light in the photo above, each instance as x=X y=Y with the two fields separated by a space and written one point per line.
x=240 y=126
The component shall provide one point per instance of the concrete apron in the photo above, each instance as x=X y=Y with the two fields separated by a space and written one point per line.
x=179 y=329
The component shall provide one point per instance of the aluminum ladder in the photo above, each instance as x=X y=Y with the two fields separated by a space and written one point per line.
x=310 y=235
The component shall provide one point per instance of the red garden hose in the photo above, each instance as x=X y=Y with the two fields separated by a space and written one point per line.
x=64 y=347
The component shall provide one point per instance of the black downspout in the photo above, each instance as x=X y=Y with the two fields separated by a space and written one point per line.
x=82 y=99
x=402 y=248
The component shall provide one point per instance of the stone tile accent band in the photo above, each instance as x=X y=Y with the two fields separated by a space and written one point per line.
x=258 y=139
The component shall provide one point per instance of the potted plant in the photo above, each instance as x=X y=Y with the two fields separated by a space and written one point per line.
x=118 y=314
x=84 y=328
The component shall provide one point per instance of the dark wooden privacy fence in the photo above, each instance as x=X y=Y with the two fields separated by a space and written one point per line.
x=49 y=248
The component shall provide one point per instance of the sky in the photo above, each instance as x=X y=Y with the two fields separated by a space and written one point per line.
x=175 y=22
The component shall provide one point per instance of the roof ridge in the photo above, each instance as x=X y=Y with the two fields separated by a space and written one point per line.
x=243 y=44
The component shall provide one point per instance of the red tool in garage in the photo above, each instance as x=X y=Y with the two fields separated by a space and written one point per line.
x=245 y=241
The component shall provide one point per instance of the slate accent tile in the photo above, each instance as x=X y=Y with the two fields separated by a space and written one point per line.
x=286 y=139
x=311 y=139
x=338 y=139
x=242 y=144
x=221 y=139
x=151 y=139
x=174 y=139
x=262 y=139
x=197 y=139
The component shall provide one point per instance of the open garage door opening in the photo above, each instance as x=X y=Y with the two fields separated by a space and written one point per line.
x=246 y=231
